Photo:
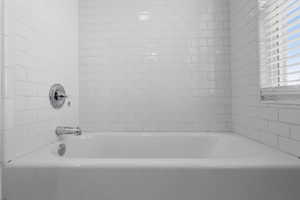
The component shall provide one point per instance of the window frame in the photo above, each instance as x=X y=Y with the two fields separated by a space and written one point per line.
x=273 y=95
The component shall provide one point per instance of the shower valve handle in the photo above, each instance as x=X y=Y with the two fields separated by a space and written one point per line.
x=60 y=95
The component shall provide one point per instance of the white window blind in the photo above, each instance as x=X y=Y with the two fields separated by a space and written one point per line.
x=280 y=48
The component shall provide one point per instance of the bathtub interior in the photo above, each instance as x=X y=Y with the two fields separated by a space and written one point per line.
x=158 y=150
x=161 y=146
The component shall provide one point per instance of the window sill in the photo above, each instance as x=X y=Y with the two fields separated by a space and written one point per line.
x=281 y=96
x=281 y=102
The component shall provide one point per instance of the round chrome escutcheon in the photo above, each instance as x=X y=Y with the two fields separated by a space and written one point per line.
x=57 y=96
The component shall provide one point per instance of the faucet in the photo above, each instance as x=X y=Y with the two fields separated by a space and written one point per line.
x=64 y=130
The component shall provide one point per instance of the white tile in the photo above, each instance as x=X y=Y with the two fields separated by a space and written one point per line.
x=9 y=82
x=279 y=128
x=39 y=52
x=283 y=120
x=289 y=146
x=161 y=64
x=295 y=132
x=289 y=116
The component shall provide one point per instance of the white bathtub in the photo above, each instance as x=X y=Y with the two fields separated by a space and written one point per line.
x=155 y=166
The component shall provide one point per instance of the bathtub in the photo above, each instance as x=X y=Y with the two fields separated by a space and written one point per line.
x=154 y=166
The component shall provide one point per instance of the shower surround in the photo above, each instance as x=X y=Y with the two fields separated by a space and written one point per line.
x=159 y=65
x=155 y=70
x=41 y=48
x=143 y=66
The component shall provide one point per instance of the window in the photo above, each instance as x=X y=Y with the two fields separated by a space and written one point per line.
x=280 y=50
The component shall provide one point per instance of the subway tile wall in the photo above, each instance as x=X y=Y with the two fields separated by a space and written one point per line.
x=1 y=100
x=154 y=65
x=41 y=48
x=274 y=125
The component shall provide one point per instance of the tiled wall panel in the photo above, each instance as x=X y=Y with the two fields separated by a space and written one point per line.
x=41 y=48
x=1 y=100
x=159 y=65
x=274 y=125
